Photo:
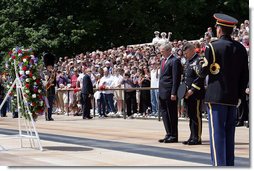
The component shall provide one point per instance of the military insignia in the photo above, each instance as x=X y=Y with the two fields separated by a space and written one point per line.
x=214 y=67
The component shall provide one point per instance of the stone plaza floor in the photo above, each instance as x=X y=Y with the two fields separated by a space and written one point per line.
x=72 y=141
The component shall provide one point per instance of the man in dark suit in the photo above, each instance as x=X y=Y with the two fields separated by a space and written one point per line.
x=226 y=64
x=169 y=82
x=194 y=95
x=87 y=93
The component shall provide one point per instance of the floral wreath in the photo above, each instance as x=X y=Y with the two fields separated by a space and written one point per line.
x=28 y=73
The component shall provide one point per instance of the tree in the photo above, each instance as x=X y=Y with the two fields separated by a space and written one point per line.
x=69 y=27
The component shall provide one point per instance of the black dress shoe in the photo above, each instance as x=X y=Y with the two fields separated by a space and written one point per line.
x=163 y=139
x=89 y=117
x=193 y=142
x=171 y=140
x=186 y=142
x=51 y=119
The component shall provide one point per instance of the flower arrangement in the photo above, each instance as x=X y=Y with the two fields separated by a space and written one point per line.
x=33 y=91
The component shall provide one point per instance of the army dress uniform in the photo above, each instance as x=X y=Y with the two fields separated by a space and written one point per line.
x=226 y=64
x=194 y=103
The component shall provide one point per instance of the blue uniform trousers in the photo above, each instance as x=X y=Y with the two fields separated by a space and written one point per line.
x=222 y=133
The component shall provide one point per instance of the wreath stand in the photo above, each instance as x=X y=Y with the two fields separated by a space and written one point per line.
x=26 y=127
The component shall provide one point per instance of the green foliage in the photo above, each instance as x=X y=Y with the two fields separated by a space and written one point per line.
x=68 y=27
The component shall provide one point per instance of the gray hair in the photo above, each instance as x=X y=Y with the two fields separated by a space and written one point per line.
x=188 y=45
x=166 y=47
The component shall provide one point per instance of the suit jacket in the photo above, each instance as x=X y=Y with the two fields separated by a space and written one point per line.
x=230 y=83
x=170 y=77
x=87 y=85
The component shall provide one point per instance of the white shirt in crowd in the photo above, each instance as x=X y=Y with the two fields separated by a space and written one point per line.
x=108 y=81
x=155 y=75
x=117 y=81
x=156 y=40
x=163 y=41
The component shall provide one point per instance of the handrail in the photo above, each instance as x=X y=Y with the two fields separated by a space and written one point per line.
x=96 y=89
x=107 y=89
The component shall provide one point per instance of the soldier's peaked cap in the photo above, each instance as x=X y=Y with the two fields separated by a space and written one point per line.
x=225 y=20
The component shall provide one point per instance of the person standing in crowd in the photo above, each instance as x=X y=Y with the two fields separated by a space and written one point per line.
x=87 y=93
x=226 y=64
x=107 y=81
x=118 y=79
x=49 y=61
x=210 y=31
x=130 y=95
x=194 y=95
x=145 y=99
x=155 y=75
x=61 y=82
x=156 y=39
x=163 y=40
x=168 y=85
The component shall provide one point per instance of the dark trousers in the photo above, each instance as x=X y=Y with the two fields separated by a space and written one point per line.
x=101 y=105
x=86 y=105
x=51 y=99
x=131 y=102
x=110 y=102
x=222 y=134
x=194 y=108
x=168 y=109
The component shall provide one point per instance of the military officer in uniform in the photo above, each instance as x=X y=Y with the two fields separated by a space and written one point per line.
x=49 y=61
x=194 y=94
x=226 y=64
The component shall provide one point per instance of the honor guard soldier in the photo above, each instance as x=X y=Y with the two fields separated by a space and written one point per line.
x=226 y=64
x=49 y=61
x=194 y=94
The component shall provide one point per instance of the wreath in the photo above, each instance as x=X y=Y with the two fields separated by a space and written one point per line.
x=29 y=74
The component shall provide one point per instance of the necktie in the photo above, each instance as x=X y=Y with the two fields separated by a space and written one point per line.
x=162 y=65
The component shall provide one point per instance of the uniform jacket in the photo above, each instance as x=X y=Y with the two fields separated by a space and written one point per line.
x=230 y=83
x=170 y=77
x=192 y=80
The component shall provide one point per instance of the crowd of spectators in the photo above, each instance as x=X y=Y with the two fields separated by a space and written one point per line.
x=124 y=67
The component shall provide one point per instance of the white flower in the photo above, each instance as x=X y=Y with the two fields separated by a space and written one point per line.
x=8 y=86
x=34 y=78
x=21 y=72
x=27 y=72
x=27 y=80
x=32 y=56
x=35 y=83
x=19 y=54
x=24 y=60
x=34 y=96
x=39 y=91
x=41 y=103
x=27 y=91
